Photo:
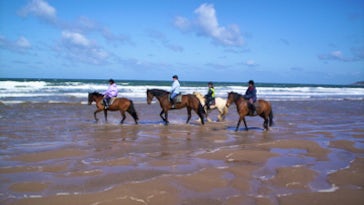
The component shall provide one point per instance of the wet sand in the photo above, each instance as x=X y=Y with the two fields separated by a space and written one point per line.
x=57 y=154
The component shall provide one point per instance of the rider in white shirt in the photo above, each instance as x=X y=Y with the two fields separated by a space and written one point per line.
x=175 y=89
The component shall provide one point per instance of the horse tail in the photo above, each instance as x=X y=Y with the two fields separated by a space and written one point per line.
x=271 y=123
x=132 y=111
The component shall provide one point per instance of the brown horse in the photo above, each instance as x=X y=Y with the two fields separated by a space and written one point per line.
x=189 y=101
x=121 y=104
x=263 y=109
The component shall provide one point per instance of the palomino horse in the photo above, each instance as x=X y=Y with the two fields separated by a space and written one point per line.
x=220 y=105
x=263 y=109
x=121 y=104
x=189 y=101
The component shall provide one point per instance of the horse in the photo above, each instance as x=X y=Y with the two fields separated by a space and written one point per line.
x=189 y=101
x=121 y=104
x=263 y=109
x=220 y=105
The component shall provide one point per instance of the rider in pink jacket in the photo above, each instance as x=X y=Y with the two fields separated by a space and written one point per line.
x=112 y=91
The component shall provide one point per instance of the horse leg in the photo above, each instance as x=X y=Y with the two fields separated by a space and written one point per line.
x=166 y=117
x=189 y=115
x=98 y=110
x=220 y=116
x=237 y=126
x=161 y=114
x=266 y=122
x=123 y=115
x=207 y=111
x=246 y=127
x=105 y=114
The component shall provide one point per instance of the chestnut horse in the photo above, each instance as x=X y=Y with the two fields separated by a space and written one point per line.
x=121 y=104
x=263 y=109
x=189 y=101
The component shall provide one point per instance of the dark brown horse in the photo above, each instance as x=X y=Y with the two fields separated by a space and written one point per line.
x=119 y=104
x=189 y=101
x=263 y=109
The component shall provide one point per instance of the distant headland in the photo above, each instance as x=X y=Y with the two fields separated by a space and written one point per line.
x=359 y=83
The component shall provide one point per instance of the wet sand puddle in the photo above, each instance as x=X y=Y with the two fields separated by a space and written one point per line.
x=104 y=163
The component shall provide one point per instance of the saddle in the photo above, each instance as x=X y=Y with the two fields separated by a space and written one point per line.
x=176 y=99
x=111 y=101
x=212 y=102
x=256 y=105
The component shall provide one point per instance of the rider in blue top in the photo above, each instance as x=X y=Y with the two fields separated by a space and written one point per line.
x=175 y=89
x=251 y=96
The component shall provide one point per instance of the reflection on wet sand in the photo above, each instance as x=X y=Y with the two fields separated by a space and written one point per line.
x=56 y=153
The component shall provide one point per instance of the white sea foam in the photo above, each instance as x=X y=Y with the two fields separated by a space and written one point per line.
x=13 y=91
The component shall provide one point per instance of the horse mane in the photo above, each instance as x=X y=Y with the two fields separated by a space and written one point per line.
x=96 y=93
x=198 y=94
x=200 y=97
x=158 y=92
x=236 y=95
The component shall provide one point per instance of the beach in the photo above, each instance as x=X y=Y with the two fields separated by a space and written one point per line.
x=55 y=153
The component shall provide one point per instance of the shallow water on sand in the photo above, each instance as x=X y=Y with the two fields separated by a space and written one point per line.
x=57 y=153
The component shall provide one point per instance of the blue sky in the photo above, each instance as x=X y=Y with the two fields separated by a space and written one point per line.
x=318 y=41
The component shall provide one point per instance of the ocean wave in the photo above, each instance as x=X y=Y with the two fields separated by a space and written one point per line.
x=17 y=91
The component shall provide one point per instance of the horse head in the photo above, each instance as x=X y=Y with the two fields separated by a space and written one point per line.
x=232 y=97
x=150 y=96
x=158 y=93
x=93 y=97
x=90 y=98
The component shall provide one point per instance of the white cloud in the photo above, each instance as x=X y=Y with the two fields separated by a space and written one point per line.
x=39 y=8
x=20 y=45
x=75 y=38
x=250 y=63
x=336 y=54
x=339 y=56
x=182 y=23
x=22 y=42
x=78 y=48
x=207 y=24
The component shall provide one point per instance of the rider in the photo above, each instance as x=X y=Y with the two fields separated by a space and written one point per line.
x=210 y=96
x=175 y=89
x=112 y=91
x=251 y=96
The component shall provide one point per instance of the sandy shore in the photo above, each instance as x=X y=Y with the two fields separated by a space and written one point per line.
x=57 y=154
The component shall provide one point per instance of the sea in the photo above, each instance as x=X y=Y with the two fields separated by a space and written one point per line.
x=76 y=90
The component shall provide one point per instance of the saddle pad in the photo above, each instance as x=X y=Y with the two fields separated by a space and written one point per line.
x=111 y=101
x=177 y=99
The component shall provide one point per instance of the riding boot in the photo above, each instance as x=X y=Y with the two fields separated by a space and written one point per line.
x=106 y=103
x=172 y=102
x=252 y=109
